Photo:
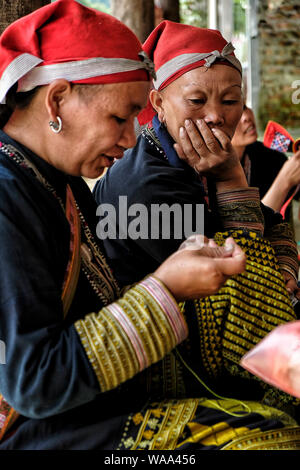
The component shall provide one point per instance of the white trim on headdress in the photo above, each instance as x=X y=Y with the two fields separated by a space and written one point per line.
x=177 y=63
x=15 y=70
x=24 y=70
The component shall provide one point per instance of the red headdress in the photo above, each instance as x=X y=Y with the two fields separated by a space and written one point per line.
x=278 y=138
x=68 y=40
x=176 y=48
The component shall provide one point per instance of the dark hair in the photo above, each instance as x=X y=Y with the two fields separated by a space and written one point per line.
x=22 y=99
x=15 y=100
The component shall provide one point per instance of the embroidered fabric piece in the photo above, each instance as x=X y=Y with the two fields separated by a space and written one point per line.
x=130 y=334
x=176 y=424
x=280 y=142
x=243 y=312
x=241 y=208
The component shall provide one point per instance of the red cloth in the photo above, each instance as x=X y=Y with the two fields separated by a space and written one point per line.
x=169 y=40
x=278 y=138
x=66 y=31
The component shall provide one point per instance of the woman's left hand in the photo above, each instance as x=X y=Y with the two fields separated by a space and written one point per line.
x=291 y=284
x=209 y=151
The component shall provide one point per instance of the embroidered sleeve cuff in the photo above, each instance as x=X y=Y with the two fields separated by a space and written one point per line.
x=132 y=333
x=240 y=209
x=281 y=237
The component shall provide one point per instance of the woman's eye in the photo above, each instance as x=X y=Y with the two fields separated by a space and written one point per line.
x=197 y=100
x=119 y=120
x=230 y=102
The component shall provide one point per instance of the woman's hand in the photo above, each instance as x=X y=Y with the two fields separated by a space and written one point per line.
x=209 y=152
x=291 y=170
x=200 y=268
x=291 y=284
x=287 y=178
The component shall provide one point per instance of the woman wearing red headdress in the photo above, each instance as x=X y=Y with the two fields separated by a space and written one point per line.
x=194 y=108
x=183 y=160
x=265 y=167
x=72 y=348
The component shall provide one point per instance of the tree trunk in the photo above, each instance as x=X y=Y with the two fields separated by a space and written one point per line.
x=12 y=10
x=170 y=9
x=138 y=15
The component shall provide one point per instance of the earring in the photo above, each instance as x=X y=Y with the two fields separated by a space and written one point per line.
x=162 y=122
x=56 y=127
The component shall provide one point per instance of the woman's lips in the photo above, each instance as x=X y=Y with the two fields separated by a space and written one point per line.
x=110 y=160
x=251 y=130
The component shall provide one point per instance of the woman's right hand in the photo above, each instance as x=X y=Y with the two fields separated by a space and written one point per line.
x=210 y=152
x=290 y=172
x=200 y=268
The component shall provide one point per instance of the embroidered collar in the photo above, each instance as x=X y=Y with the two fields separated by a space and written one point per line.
x=167 y=144
x=159 y=135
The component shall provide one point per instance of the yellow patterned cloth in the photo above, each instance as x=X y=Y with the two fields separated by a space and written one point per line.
x=229 y=323
x=246 y=308
x=199 y=424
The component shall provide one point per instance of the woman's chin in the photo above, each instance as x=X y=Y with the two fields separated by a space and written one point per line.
x=94 y=173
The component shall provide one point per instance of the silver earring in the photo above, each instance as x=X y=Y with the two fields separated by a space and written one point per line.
x=163 y=123
x=56 y=127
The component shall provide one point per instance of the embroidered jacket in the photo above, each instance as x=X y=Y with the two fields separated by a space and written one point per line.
x=152 y=174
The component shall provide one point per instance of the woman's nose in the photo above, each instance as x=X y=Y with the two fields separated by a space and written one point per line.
x=214 y=116
x=246 y=116
x=128 y=137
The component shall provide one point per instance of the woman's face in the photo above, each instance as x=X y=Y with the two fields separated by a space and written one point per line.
x=245 y=133
x=97 y=128
x=213 y=94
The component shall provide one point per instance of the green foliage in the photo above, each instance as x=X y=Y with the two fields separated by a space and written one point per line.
x=102 y=5
x=194 y=12
x=239 y=16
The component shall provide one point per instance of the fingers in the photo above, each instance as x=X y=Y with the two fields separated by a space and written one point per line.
x=297 y=155
x=190 y=143
x=204 y=149
x=223 y=139
x=179 y=150
x=210 y=140
x=237 y=250
x=291 y=285
x=232 y=265
x=297 y=292
x=194 y=242
x=212 y=243
x=206 y=247
x=216 y=251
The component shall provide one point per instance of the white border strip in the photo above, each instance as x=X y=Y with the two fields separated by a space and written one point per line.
x=15 y=70
x=78 y=70
x=177 y=63
x=24 y=70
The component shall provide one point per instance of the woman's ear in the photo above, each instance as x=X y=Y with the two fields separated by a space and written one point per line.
x=57 y=94
x=156 y=99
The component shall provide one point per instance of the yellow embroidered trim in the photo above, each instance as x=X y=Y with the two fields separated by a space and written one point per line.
x=146 y=327
x=164 y=435
x=111 y=342
x=278 y=439
x=164 y=330
x=171 y=424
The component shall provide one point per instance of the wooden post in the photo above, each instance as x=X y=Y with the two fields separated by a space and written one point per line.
x=170 y=9
x=12 y=10
x=138 y=15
